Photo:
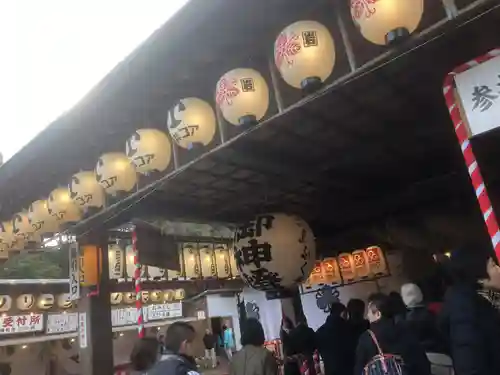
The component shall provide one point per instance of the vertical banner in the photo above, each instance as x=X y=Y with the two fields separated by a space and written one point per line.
x=82 y=330
x=74 y=268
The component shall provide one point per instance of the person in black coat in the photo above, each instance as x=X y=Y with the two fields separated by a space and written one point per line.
x=335 y=341
x=469 y=317
x=303 y=342
x=393 y=339
x=291 y=365
x=421 y=321
x=356 y=318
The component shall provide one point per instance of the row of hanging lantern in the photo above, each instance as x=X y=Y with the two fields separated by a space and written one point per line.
x=304 y=54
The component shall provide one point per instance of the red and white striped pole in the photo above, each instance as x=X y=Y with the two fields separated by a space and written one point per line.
x=138 y=287
x=469 y=157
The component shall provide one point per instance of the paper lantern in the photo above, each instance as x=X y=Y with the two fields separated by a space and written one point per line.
x=40 y=218
x=64 y=301
x=207 y=260
x=316 y=275
x=45 y=301
x=21 y=226
x=376 y=261
x=116 y=261
x=156 y=296
x=232 y=263
x=25 y=302
x=62 y=206
x=129 y=297
x=361 y=266
x=331 y=271
x=86 y=192
x=149 y=150
x=346 y=265
x=242 y=96
x=304 y=54
x=130 y=269
x=386 y=21
x=5 y=303
x=116 y=173
x=7 y=236
x=192 y=264
x=192 y=121
x=275 y=251
x=179 y=294
x=145 y=296
x=116 y=298
x=168 y=295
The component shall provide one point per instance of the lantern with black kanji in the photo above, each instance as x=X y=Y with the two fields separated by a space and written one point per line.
x=62 y=206
x=7 y=236
x=304 y=54
x=86 y=192
x=40 y=218
x=149 y=150
x=191 y=122
x=22 y=227
x=275 y=251
x=242 y=96
x=116 y=173
x=386 y=21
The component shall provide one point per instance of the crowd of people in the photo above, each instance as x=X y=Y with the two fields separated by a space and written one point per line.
x=390 y=334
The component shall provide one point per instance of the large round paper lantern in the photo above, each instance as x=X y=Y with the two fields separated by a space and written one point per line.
x=149 y=150
x=242 y=96
x=190 y=122
x=275 y=251
x=22 y=227
x=40 y=219
x=62 y=206
x=386 y=21
x=304 y=54
x=116 y=173
x=86 y=192
x=7 y=236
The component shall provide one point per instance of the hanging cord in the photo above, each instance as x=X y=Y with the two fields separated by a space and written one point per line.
x=138 y=287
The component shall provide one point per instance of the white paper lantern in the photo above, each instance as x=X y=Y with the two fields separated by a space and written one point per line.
x=116 y=261
x=25 y=302
x=129 y=297
x=62 y=206
x=149 y=150
x=21 y=226
x=116 y=173
x=384 y=21
x=304 y=54
x=64 y=301
x=45 y=301
x=86 y=192
x=242 y=96
x=5 y=303
x=275 y=251
x=7 y=236
x=191 y=121
x=156 y=296
x=40 y=218
x=116 y=298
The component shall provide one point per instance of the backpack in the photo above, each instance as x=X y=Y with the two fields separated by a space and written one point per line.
x=384 y=364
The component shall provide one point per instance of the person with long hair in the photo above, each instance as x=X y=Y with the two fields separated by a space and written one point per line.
x=253 y=358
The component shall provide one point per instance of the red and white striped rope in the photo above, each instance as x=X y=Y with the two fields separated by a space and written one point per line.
x=138 y=287
x=466 y=147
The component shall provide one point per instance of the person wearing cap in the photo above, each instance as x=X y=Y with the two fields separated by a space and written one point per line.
x=420 y=320
x=470 y=317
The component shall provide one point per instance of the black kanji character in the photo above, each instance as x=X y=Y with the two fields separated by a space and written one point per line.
x=309 y=38
x=143 y=160
x=262 y=279
x=247 y=84
x=253 y=228
x=483 y=97
x=255 y=253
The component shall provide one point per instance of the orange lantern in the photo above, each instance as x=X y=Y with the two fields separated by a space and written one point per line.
x=376 y=261
x=316 y=276
x=346 y=265
x=90 y=265
x=330 y=271
x=361 y=264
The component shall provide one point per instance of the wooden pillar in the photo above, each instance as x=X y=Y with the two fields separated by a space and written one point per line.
x=95 y=329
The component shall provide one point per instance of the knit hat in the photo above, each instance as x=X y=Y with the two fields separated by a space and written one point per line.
x=412 y=295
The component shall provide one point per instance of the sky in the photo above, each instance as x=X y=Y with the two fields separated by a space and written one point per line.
x=54 y=52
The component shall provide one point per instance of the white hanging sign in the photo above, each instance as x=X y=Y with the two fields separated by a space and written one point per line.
x=21 y=324
x=61 y=323
x=163 y=311
x=479 y=92
x=74 y=270
x=116 y=261
x=124 y=317
x=82 y=330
